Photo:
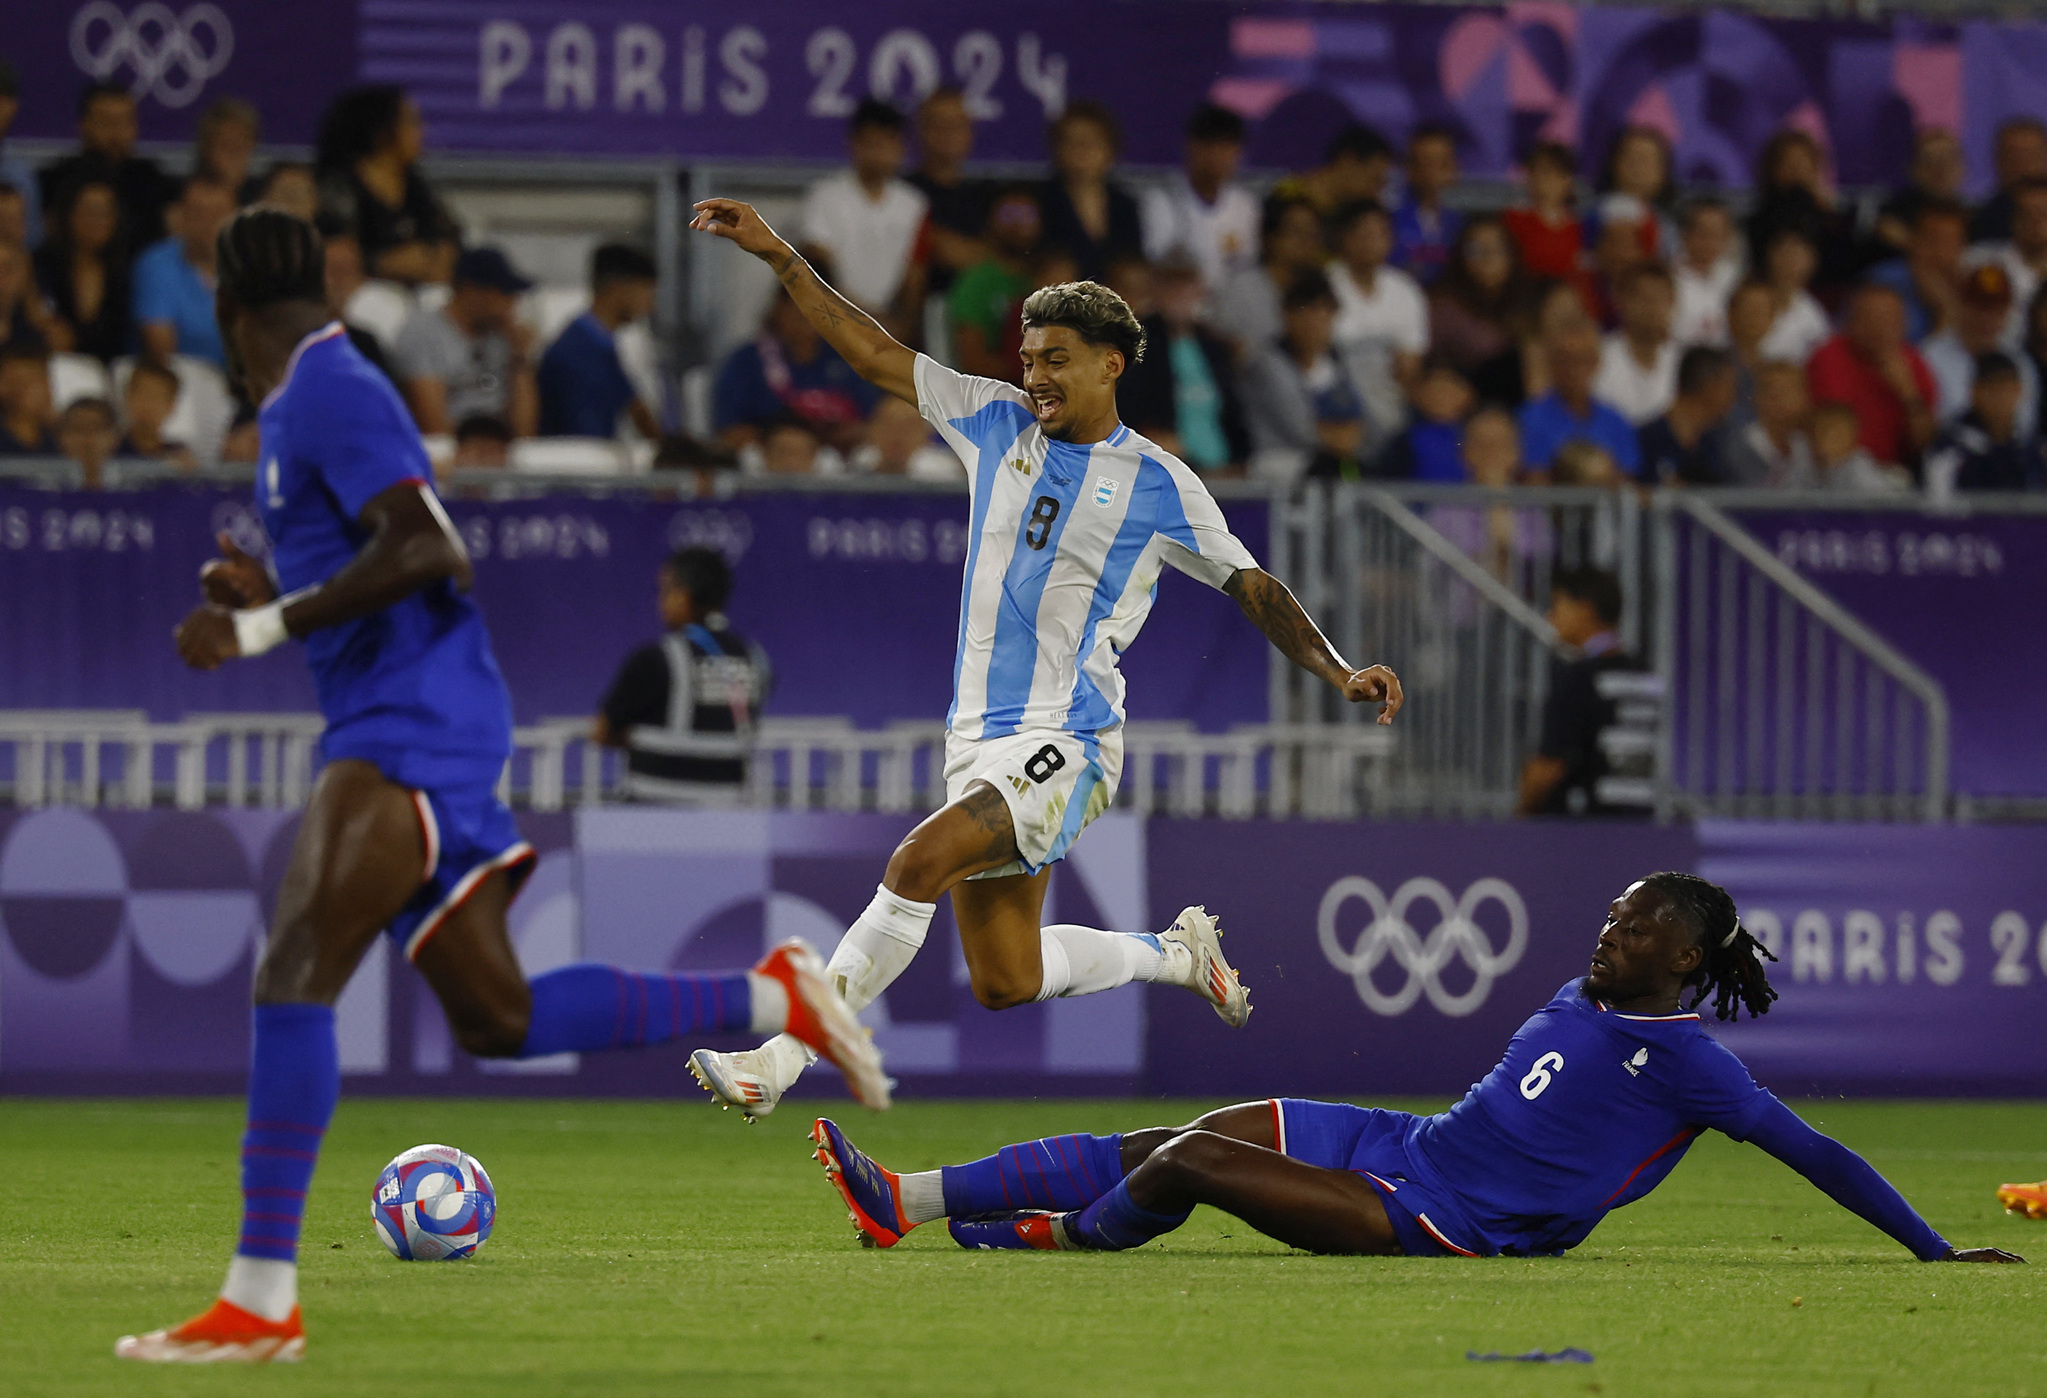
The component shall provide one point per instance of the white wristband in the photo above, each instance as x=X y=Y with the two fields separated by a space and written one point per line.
x=258 y=629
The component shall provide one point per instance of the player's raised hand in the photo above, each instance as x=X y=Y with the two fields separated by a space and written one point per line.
x=235 y=579
x=207 y=637
x=1377 y=685
x=1982 y=1255
x=740 y=223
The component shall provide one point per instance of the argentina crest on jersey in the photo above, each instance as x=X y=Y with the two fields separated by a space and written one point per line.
x=1105 y=491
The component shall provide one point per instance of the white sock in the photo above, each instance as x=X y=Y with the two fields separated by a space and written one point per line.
x=1083 y=960
x=877 y=948
x=770 y=1001
x=262 y=1286
x=923 y=1196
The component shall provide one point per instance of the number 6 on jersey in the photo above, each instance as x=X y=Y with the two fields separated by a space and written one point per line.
x=1538 y=1076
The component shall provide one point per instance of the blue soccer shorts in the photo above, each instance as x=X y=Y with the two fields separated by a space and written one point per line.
x=1373 y=1143
x=468 y=833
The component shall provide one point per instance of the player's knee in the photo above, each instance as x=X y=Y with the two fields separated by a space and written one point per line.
x=999 y=989
x=1191 y=1155
x=916 y=871
x=491 y=1031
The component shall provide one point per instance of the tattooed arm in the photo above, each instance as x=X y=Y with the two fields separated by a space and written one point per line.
x=1274 y=611
x=875 y=355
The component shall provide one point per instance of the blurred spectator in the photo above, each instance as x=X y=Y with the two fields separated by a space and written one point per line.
x=1432 y=446
x=473 y=355
x=1093 y=219
x=1203 y=215
x=1871 y=368
x=291 y=187
x=790 y=447
x=786 y=370
x=1560 y=308
x=1707 y=273
x=1299 y=408
x=1798 y=324
x=900 y=443
x=106 y=136
x=1547 y=230
x=147 y=403
x=986 y=298
x=1773 y=448
x=86 y=434
x=1289 y=244
x=1843 y=463
x=25 y=412
x=1131 y=278
x=1638 y=362
x=1423 y=228
x=685 y=707
x=957 y=204
x=483 y=441
x=1562 y=778
x=1750 y=312
x=1356 y=165
x=1382 y=320
x=1978 y=328
x=867 y=218
x=13 y=217
x=1987 y=448
x=371 y=139
x=2024 y=256
x=1582 y=463
x=15 y=173
x=711 y=470
x=23 y=316
x=1497 y=536
x=1183 y=393
x=1687 y=444
x=1569 y=411
x=1616 y=253
x=1937 y=174
x=2020 y=155
x=1477 y=308
x=583 y=386
x=224 y=144
x=2033 y=343
x=83 y=271
x=1792 y=193
x=1927 y=276
x=1639 y=166
x=174 y=279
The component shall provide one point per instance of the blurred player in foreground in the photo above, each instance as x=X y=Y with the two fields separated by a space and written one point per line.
x=404 y=832
x=1074 y=517
x=1597 y=1099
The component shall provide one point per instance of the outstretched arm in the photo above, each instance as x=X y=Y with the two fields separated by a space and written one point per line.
x=412 y=544
x=875 y=355
x=1273 y=610
x=1854 y=1184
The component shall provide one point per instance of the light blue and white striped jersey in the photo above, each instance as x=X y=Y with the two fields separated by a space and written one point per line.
x=1063 y=557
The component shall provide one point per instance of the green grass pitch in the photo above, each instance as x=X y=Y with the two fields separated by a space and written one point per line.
x=662 y=1248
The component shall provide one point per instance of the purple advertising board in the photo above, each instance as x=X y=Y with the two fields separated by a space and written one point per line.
x=1381 y=958
x=855 y=597
x=695 y=81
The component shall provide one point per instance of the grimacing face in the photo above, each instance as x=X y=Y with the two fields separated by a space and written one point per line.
x=1069 y=381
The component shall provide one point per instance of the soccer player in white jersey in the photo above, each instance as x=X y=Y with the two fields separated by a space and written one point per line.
x=1074 y=516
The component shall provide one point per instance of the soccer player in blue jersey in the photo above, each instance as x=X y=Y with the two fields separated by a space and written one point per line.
x=1598 y=1097
x=1073 y=518
x=404 y=832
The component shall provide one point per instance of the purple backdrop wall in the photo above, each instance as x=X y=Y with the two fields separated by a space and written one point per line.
x=1382 y=958
x=695 y=80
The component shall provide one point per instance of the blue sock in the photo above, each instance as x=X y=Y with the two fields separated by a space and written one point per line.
x=1061 y=1173
x=294 y=1080
x=1116 y=1221
x=587 y=1006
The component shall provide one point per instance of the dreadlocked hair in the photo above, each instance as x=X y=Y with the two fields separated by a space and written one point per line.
x=265 y=256
x=1731 y=964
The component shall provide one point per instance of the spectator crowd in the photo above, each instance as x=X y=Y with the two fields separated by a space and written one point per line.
x=1369 y=317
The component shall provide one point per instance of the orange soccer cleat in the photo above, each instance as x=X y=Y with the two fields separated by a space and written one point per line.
x=2027 y=1199
x=225 y=1334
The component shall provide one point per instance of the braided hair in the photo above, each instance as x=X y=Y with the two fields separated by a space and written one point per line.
x=1731 y=965
x=265 y=256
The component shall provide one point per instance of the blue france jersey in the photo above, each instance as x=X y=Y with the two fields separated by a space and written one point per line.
x=1590 y=1109
x=413 y=688
x=1063 y=559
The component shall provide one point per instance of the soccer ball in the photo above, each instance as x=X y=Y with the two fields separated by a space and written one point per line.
x=434 y=1204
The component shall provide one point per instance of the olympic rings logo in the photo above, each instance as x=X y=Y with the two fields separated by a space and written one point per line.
x=1455 y=935
x=162 y=47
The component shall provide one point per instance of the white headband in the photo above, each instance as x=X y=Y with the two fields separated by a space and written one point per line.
x=1728 y=940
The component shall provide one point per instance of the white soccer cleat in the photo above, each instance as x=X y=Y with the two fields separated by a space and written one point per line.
x=742 y=1080
x=1212 y=978
x=223 y=1334
x=818 y=1019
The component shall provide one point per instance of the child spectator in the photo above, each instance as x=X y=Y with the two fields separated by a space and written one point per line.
x=1477 y=309
x=1382 y=320
x=899 y=443
x=1433 y=446
x=146 y=405
x=1093 y=219
x=1984 y=449
x=371 y=139
x=482 y=441
x=83 y=270
x=1424 y=229
x=867 y=217
x=987 y=296
x=1773 y=449
x=174 y=279
x=1686 y=444
x=1302 y=413
x=583 y=386
x=1706 y=274
x=1843 y=463
x=1798 y=325
x=1289 y=245
x=25 y=399
x=1547 y=230
x=1639 y=166
x=1183 y=393
x=1499 y=537
x=1570 y=411
x=87 y=435
x=1203 y=215
x=1638 y=362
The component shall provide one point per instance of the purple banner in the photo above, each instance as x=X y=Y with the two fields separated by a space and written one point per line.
x=692 y=80
x=854 y=597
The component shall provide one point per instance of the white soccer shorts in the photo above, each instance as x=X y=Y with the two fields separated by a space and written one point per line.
x=1054 y=784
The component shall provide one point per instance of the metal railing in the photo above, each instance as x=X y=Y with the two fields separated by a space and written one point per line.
x=1779 y=702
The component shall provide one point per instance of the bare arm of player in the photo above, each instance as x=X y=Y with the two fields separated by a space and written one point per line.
x=875 y=355
x=1274 y=610
x=412 y=545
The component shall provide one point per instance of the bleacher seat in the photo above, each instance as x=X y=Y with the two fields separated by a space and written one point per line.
x=594 y=456
x=379 y=307
x=76 y=376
